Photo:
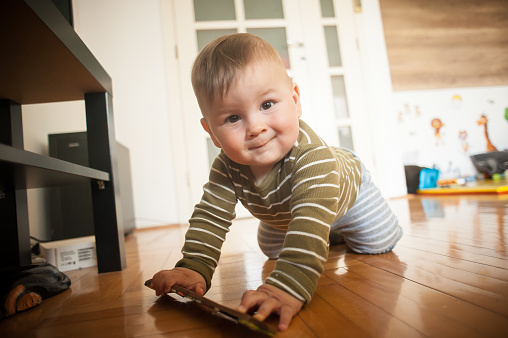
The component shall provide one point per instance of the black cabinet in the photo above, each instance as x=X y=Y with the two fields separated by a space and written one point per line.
x=44 y=60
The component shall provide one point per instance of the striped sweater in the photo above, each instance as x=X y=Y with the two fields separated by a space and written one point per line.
x=304 y=193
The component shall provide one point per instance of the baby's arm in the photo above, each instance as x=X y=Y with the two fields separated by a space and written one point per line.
x=268 y=299
x=323 y=188
x=163 y=280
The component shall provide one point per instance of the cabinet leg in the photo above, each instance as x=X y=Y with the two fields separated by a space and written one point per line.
x=14 y=227
x=15 y=231
x=109 y=234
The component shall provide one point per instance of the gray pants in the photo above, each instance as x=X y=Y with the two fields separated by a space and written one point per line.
x=369 y=227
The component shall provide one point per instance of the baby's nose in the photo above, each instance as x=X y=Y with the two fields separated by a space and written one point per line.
x=256 y=126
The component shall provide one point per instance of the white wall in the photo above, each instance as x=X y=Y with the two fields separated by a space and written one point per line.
x=126 y=37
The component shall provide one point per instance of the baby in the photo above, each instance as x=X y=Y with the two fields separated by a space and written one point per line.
x=306 y=194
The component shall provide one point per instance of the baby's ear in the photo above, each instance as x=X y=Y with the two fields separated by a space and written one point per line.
x=207 y=128
x=296 y=98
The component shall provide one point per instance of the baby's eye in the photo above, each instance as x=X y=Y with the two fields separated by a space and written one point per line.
x=267 y=105
x=233 y=119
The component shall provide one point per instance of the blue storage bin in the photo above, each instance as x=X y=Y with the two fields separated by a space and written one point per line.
x=428 y=178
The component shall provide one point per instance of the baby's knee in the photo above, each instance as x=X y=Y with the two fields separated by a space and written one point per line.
x=271 y=250
x=372 y=251
x=270 y=240
x=375 y=245
x=271 y=254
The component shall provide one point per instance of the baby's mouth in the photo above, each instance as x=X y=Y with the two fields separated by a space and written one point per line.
x=257 y=145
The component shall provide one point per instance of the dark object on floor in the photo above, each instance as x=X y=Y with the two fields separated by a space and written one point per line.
x=491 y=163
x=223 y=311
x=412 y=178
x=27 y=286
x=420 y=178
x=70 y=206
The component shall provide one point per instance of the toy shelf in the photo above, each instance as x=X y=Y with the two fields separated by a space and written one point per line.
x=476 y=187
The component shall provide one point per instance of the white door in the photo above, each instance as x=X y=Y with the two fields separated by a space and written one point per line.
x=318 y=46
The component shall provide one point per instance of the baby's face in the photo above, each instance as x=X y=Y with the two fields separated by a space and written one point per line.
x=256 y=123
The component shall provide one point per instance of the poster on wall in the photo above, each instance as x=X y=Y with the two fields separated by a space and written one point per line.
x=441 y=129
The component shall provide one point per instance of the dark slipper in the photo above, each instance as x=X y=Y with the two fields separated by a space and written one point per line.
x=27 y=286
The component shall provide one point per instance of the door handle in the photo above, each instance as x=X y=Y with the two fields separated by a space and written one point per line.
x=293 y=43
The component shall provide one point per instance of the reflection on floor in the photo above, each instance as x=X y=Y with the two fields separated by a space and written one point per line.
x=448 y=277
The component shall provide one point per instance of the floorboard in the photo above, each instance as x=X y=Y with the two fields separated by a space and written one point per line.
x=447 y=277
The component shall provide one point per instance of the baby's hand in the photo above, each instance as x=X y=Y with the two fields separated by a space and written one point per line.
x=268 y=299
x=163 y=281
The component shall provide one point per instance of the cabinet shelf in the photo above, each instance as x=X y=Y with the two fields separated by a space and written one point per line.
x=43 y=59
x=31 y=170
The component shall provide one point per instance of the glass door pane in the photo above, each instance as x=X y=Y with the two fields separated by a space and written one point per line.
x=339 y=97
x=332 y=46
x=277 y=38
x=206 y=36
x=206 y=10
x=263 y=9
x=346 y=138
x=327 y=10
x=212 y=151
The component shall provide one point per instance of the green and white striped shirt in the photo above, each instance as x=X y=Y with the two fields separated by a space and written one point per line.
x=304 y=193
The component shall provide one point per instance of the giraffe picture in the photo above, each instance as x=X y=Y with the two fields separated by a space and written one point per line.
x=483 y=121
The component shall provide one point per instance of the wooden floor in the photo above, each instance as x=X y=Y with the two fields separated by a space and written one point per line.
x=448 y=277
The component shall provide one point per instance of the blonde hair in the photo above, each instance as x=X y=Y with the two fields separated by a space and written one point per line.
x=217 y=65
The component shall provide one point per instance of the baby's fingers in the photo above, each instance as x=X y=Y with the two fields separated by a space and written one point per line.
x=197 y=288
x=250 y=300
x=286 y=315
x=160 y=284
x=266 y=308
